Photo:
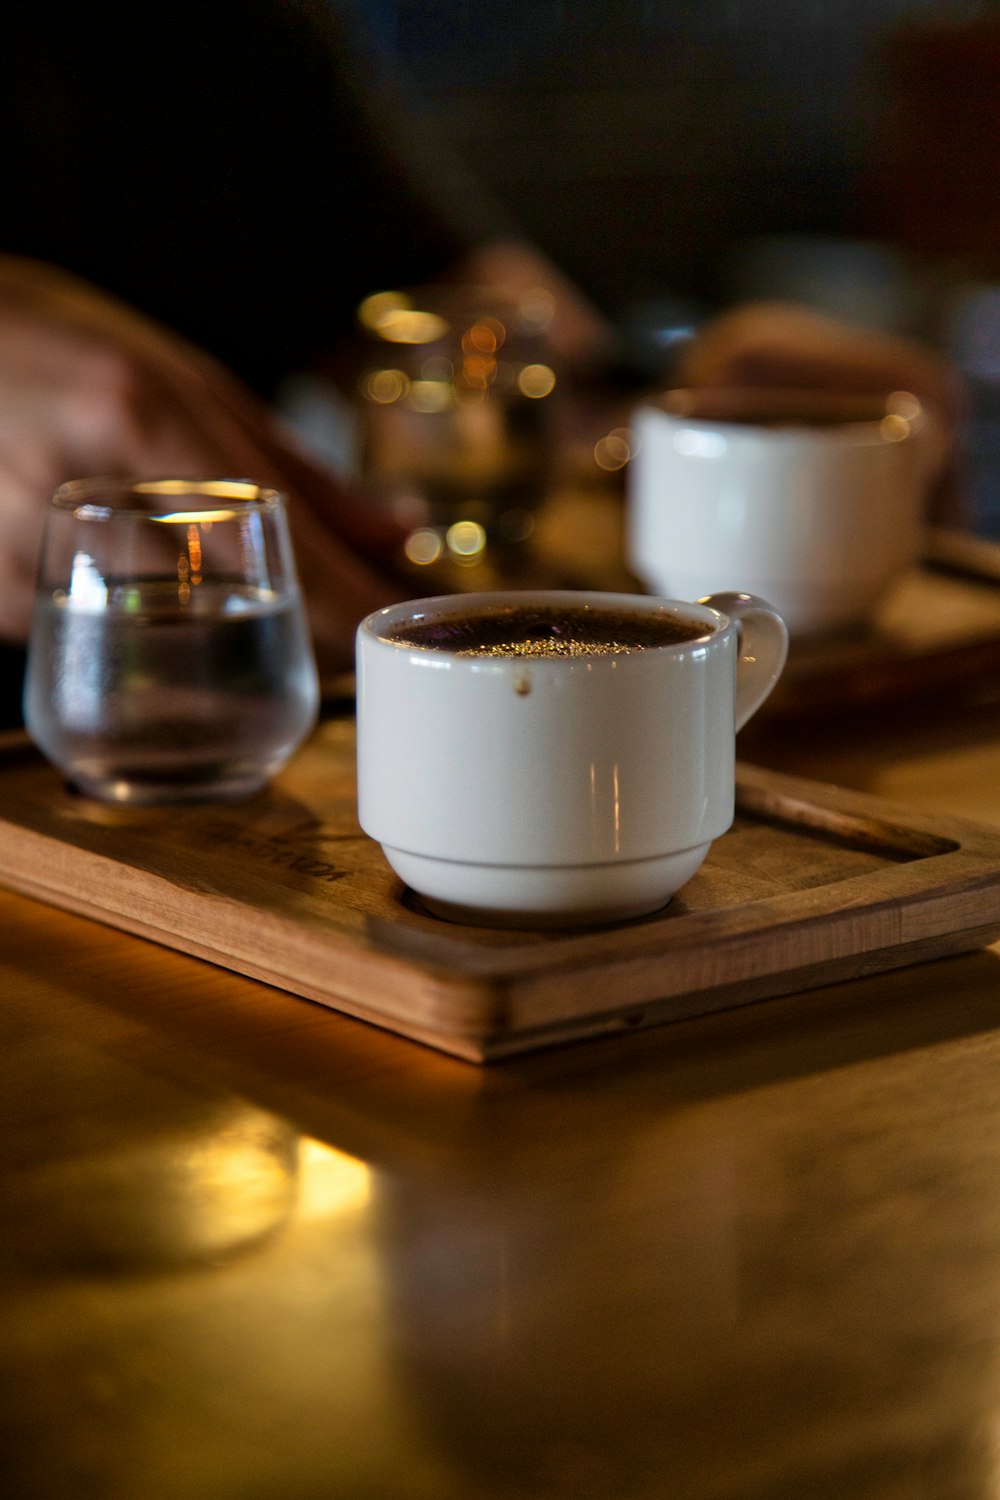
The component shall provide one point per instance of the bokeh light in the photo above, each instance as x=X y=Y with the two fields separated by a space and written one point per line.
x=536 y=381
x=423 y=547
x=537 y=308
x=385 y=386
x=406 y=325
x=613 y=451
x=894 y=429
x=378 y=304
x=431 y=395
x=466 y=540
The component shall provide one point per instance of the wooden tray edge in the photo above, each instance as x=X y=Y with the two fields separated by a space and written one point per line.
x=501 y=1001
x=482 y=1017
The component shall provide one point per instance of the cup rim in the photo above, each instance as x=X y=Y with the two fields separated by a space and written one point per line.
x=103 y=497
x=376 y=625
x=830 y=413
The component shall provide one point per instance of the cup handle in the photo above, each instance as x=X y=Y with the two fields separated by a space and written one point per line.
x=763 y=648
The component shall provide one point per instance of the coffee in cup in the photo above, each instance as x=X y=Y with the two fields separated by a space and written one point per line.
x=540 y=631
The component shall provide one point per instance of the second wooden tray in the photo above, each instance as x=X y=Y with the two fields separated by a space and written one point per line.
x=935 y=637
x=811 y=885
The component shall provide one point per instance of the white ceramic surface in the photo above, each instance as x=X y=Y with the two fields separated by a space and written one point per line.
x=556 y=790
x=820 y=520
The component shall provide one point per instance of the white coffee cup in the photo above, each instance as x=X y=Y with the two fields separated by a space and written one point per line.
x=813 y=499
x=556 y=790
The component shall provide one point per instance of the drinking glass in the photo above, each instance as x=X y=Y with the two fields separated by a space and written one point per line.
x=456 y=419
x=169 y=657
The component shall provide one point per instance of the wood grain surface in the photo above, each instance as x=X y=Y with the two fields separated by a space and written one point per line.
x=812 y=884
x=253 y=1248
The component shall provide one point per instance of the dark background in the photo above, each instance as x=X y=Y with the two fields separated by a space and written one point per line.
x=642 y=143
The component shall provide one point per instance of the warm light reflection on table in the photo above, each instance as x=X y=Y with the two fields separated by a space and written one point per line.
x=255 y=1249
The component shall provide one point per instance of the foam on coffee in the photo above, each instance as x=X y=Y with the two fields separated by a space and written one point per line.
x=547 y=631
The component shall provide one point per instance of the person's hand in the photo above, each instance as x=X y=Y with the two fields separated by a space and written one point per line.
x=785 y=345
x=88 y=387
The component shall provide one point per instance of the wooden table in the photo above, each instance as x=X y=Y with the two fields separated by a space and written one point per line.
x=255 y=1249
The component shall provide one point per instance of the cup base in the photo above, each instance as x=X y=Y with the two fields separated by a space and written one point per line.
x=126 y=793
x=546 y=895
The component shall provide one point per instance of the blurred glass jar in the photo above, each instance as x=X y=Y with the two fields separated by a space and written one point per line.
x=456 y=398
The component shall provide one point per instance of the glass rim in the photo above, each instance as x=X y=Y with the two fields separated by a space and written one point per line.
x=200 y=499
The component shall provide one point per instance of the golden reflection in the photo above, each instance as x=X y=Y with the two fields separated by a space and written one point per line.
x=194 y=553
x=330 y=1181
x=423 y=547
x=410 y=326
x=431 y=395
x=213 y=1179
x=242 y=1182
x=536 y=381
x=478 y=371
x=380 y=303
x=484 y=337
x=466 y=539
x=216 y=489
x=198 y=517
x=894 y=429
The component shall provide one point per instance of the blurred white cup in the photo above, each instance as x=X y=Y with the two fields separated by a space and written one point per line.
x=813 y=499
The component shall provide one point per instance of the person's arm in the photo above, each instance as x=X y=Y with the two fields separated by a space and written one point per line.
x=89 y=387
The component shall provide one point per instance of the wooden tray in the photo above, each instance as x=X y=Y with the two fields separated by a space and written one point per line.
x=811 y=885
x=936 y=636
